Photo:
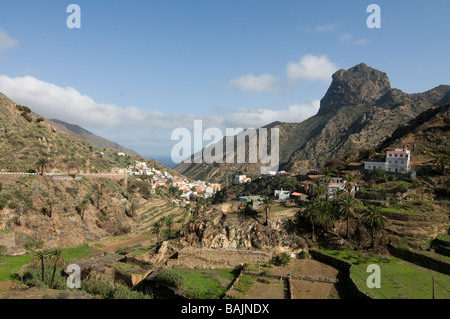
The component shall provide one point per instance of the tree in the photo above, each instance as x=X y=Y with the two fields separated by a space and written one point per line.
x=39 y=261
x=131 y=189
x=313 y=215
x=439 y=162
x=199 y=205
x=373 y=220
x=347 y=206
x=319 y=189
x=131 y=210
x=58 y=261
x=50 y=207
x=40 y=164
x=350 y=183
x=156 y=229
x=81 y=208
x=168 y=221
x=267 y=205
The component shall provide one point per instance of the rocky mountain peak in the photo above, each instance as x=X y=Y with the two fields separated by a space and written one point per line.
x=357 y=85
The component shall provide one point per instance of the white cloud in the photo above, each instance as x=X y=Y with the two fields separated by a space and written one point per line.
x=6 y=42
x=348 y=38
x=146 y=131
x=310 y=68
x=326 y=28
x=250 y=82
x=254 y=117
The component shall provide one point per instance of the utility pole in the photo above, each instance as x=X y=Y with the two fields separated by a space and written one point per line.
x=432 y=276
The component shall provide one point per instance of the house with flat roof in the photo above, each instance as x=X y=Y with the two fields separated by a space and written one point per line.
x=397 y=161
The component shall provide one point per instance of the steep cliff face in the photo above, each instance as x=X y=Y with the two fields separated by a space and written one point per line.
x=359 y=110
x=358 y=85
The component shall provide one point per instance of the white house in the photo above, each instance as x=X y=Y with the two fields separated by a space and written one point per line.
x=282 y=195
x=397 y=161
x=240 y=179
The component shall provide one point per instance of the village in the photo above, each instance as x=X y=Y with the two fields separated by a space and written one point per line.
x=397 y=161
x=187 y=190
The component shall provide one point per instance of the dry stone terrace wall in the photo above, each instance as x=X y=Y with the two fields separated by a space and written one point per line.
x=344 y=267
x=420 y=259
x=8 y=240
x=217 y=258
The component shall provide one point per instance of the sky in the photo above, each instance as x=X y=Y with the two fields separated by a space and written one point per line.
x=136 y=70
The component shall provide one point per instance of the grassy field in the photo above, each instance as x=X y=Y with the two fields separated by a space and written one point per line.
x=206 y=283
x=399 y=279
x=10 y=265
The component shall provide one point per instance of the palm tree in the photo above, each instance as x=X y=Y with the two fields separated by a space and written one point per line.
x=40 y=164
x=156 y=229
x=168 y=221
x=347 y=206
x=267 y=205
x=199 y=205
x=131 y=189
x=39 y=261
x=373 y=220
x=313 y=215
x=56 y=255
x=319 y=189
x=350 y=183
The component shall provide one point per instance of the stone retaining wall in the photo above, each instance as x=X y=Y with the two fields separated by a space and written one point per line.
x=420 y=259
x=8 y=240
x=344 y=268
x=217 y=258
x=416 y=218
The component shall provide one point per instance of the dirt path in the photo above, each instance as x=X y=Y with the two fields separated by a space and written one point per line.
x=302 y=289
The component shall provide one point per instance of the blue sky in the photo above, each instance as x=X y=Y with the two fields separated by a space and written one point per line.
x=138 y=69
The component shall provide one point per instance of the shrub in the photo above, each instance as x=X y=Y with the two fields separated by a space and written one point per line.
x=170 y=278
x=3 y=203
x=27 y=117
x=13 y=205
x=108 y=290
x=3 y=249
x=33 y=245
x=304 y=254
x=283 y=259
x=33 y=278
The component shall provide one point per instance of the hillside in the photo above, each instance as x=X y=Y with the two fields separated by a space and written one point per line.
x=359 y=110
x=90 y=137
x=26 y=137
x=63 y=210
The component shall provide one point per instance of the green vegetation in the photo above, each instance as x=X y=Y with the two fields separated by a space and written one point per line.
x=3 y=249
x=32 y=245
x=245 y=283
x=10 y=266
x=283 y=259
x=399 y=279
x=127 y=250
x=108 y=290
x=198 y=283
x=170 y=278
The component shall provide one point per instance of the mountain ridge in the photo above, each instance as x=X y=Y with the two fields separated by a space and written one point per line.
x=359 y=110
x=90 y=137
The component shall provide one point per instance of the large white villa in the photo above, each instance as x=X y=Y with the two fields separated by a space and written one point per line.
x=397 y=161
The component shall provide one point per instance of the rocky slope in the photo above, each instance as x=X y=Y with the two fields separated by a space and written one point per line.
x=359 y=110
x=90 y=137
